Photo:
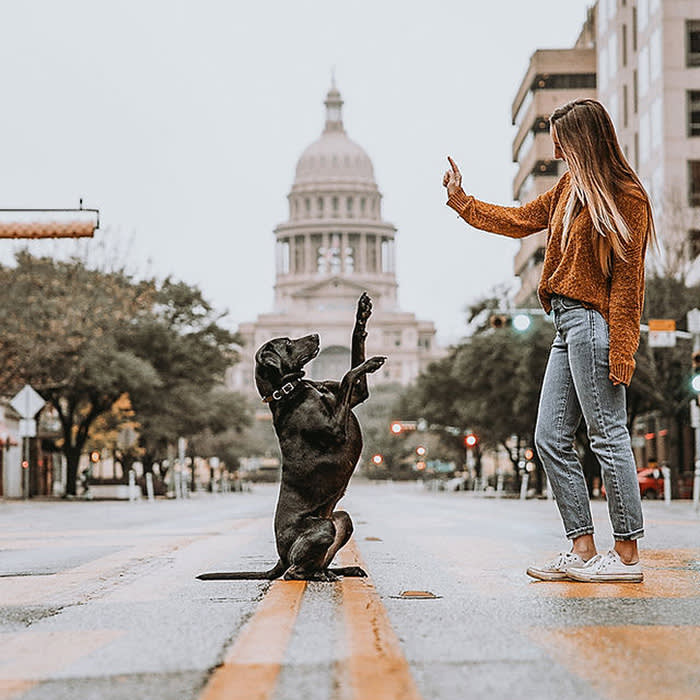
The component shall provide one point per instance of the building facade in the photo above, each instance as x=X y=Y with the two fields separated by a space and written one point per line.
x=335 y=245
x=648 y=55
x=553 y=77
x=641 y=59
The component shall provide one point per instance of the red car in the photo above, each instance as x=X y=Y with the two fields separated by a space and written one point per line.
x=651 y=483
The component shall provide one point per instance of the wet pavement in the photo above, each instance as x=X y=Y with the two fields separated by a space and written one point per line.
x=99 y=600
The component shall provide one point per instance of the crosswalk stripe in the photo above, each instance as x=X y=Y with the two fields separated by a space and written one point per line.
x=253 y=663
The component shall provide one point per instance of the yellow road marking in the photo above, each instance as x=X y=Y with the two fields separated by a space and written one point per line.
x=29 y=657
x=630 y=662
x=376 y=667
x=252 y=665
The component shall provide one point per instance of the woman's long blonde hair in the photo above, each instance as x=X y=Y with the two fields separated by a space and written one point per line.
x=599 y=173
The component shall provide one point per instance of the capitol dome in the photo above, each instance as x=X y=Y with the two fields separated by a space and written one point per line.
x=334 y=157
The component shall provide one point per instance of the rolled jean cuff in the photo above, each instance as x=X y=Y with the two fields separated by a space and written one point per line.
x=637 y=534
x=588 y=530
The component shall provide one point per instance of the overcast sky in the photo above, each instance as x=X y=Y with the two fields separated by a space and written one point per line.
x=182 y=121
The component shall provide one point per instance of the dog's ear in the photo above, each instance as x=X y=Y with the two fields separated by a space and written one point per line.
x=268 y=369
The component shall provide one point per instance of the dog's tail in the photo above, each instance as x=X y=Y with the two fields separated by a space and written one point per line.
x=275 y=572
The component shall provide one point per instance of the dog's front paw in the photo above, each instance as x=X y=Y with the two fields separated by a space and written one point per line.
x=374 y=363
x=364 y=308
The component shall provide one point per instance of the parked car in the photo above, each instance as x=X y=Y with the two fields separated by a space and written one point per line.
x=651 y=483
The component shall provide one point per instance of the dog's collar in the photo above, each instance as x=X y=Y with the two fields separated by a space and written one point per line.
x=285 y=390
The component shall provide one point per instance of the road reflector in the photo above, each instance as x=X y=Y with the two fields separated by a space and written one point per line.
x=417 y=594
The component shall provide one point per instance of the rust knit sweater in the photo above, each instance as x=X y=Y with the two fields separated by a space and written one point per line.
x=575 y=272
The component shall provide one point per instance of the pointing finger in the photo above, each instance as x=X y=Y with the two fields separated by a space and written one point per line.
x=454 y=166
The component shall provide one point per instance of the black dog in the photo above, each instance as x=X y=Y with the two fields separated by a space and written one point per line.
x=320 y=441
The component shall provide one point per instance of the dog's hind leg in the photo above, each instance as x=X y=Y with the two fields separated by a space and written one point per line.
x=308 y=553
x=343 y=531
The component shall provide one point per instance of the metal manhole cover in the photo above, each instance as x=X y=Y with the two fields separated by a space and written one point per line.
x=417 y=595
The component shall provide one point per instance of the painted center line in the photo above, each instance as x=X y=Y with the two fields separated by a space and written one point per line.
x=253 y=663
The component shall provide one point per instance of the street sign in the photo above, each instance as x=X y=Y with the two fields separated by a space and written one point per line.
x=662 y=333
x=27 y=427
x=27 y=402
x=694 y=321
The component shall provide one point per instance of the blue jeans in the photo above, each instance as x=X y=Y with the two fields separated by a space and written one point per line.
x=576 y=384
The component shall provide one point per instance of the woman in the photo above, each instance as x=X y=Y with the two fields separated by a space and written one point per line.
x=599 y=222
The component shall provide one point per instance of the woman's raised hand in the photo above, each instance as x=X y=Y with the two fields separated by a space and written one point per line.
x=452 y=179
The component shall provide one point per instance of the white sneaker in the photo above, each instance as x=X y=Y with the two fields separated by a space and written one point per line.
x=556 y=570
x=608 y=568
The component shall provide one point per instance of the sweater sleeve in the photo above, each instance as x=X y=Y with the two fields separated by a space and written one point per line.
x=515 y=222
x=627 y=292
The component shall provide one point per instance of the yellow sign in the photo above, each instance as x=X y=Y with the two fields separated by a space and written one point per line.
x=662 y=324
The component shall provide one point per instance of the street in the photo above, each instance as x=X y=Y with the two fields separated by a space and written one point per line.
x=100 y=600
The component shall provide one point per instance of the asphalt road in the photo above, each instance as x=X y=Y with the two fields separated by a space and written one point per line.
x=99 y=600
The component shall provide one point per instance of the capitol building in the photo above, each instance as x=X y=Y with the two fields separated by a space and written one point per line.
x=334 y=246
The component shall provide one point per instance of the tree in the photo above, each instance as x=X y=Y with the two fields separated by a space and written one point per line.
x=190 y=351
x=64 y=328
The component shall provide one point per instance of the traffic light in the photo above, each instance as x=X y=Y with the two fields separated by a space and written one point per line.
x=407 y=426
x=520 y=321
x=695 y=377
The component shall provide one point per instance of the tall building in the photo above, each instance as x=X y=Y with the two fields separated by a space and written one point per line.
x=649 y=79
x=334 y=246
x=553 y=77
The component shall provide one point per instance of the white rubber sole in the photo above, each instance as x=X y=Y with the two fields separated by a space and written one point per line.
x=606 y=578
x=547 y=575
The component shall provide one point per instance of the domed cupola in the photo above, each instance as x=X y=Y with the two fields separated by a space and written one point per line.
x=334 y=157
x=335 y=232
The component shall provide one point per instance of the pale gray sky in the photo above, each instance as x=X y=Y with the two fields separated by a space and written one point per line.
x=182 y=121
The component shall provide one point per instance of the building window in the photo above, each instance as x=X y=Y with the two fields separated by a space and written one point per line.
x=563 y=81
x=694 y=183
x=299 y=259
x=545 y=167
x=319 y=203
x=635 y=92
x=392 y=338
x=372 y=262
x=625 y=111
x=624 y=45
x=693 y=112
x=351 y=251
x=636 y=151
x=334 y=203
x=348 y=205
x=424 y=342
x=317 y=247
x=387 y=255
x=283 y=257
x=363 y=205
x=634 y=28
x=307 y=206
x=694 y=243
x=692 y=42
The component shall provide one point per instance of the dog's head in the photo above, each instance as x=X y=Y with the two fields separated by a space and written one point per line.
x=280 y=357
